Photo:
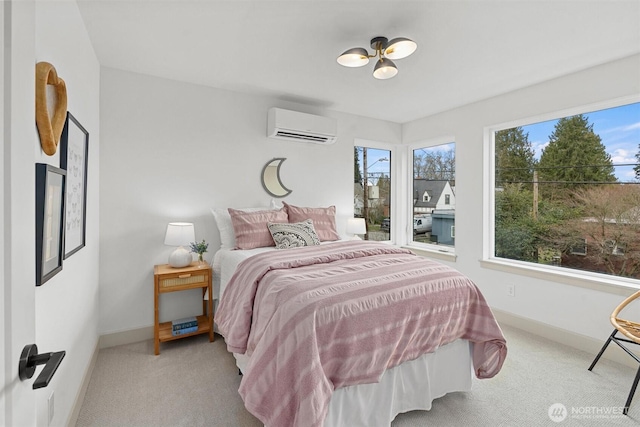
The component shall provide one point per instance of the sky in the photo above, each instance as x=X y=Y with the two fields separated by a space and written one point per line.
x=618 y=128
x=377 y=161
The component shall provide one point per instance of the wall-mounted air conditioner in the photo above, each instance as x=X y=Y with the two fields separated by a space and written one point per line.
x=296 y=126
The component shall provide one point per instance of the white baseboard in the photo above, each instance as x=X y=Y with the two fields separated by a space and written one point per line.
x=564 y=337
x=126 y=337
x=86 y=378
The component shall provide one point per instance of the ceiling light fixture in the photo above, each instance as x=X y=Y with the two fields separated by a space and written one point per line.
x=385 y=51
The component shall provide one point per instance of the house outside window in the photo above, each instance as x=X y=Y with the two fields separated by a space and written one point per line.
x=567 y=192
x=433 y=202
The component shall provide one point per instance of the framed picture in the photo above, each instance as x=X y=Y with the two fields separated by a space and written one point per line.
x=74 y=146
x=50 y=189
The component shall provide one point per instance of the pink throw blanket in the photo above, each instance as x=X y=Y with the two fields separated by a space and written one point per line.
x=318 y=318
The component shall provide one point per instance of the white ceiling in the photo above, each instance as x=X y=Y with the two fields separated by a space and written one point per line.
x=467 y=50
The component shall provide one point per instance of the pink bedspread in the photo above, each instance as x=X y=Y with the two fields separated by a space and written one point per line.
x=318 y=318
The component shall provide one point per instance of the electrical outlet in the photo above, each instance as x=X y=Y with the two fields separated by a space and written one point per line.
x=511 y=290
x=50 y=405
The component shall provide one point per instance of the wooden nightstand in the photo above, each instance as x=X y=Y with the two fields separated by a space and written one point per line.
x=170 y=279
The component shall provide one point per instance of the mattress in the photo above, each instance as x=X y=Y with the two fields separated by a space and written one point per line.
x=411 y=386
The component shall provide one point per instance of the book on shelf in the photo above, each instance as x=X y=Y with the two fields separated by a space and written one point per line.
x=185 y=323
x=184 y=331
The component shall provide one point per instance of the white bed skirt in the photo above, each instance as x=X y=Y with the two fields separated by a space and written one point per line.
x=411 y=386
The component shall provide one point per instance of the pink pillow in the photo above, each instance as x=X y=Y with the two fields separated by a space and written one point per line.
x=324 y=220
x=251 y=228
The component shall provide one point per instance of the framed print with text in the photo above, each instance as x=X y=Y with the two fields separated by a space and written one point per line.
x=50 y=198
x=74 y=146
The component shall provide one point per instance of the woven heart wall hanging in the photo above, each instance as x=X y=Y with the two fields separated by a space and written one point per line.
x=50 y=128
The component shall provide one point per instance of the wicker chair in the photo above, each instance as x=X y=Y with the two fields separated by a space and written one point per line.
x=631 y=330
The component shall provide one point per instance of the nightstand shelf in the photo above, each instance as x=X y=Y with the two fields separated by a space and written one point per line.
x=169 y=279
x=164 y=329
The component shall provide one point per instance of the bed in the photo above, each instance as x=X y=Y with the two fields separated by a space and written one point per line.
x=350 y=333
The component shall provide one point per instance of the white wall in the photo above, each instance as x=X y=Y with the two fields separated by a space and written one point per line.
x=171 y=151
x=562 y=304
x=67 y=304
x=3 y=265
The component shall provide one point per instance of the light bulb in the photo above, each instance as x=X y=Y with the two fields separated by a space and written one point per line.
x=384 y=69
x=355 y=57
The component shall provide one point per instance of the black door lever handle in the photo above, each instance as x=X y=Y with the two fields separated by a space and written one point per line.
x=30 y=358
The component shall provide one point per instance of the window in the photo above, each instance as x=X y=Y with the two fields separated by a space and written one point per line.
x=433 y=195
x=612 y=247
x=578 y=248
x=566 y=192
x=372 y=191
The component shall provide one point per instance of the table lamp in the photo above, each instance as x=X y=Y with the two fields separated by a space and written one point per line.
x=356 y=226
x=180 y=234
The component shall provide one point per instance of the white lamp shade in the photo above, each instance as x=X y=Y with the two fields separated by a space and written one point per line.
x=399 y=48
x=179 y=234
x=356 y=226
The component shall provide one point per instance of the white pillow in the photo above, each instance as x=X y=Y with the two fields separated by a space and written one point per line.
x=225 y=226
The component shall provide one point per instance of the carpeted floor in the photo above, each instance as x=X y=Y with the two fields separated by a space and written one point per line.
x=194 y=383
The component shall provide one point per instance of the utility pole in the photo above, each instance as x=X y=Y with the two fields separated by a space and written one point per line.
x=365 y=201
x=535 y=195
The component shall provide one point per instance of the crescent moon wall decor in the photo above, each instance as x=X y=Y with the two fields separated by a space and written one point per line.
x=271 y=178
x=50 y=128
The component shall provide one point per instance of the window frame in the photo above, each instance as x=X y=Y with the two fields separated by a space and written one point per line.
x=581 y=278
x=393 y=174
x=428 y=143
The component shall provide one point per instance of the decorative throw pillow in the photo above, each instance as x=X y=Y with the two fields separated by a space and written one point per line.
x=324 y=220
x=251 y=229
x=293 y=235
x=225 y=226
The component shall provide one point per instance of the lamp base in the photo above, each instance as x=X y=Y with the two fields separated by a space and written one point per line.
x=180 y=258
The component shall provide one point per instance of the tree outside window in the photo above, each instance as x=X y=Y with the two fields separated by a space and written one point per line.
x=571 y=199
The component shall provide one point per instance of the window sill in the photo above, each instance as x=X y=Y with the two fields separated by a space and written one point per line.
x=433 y=253
x=583 y=279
